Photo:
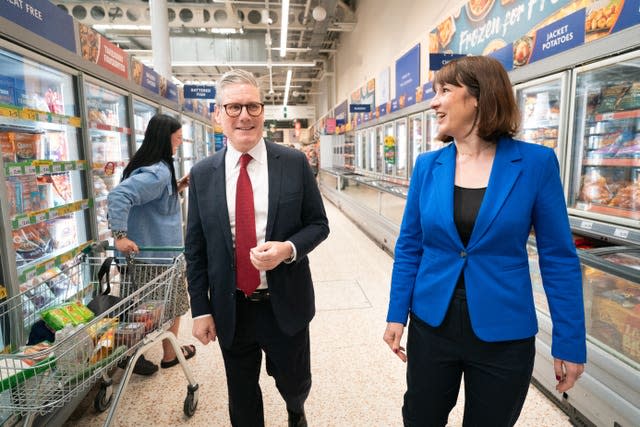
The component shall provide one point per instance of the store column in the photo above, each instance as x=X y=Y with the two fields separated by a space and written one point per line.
x=160 y=37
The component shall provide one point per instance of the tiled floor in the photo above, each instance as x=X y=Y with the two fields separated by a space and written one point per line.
x=357 y=381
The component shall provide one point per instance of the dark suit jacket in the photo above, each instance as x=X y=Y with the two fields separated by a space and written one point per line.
x=524 y=191
x=296 y=213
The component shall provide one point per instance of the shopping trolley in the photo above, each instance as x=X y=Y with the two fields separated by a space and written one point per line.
x=46 y=377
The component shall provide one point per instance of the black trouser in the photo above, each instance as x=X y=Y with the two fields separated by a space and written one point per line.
x=288 y=362
x=496 y=374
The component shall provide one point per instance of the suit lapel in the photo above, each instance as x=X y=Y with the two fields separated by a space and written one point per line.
x=443 y=182
x=220 y=191
x=504 y=173
x=275 y=180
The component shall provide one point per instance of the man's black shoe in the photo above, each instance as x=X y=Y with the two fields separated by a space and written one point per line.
x=142 y=367
x=297 y=419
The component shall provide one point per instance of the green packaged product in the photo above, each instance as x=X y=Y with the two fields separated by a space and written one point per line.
x=56 y=318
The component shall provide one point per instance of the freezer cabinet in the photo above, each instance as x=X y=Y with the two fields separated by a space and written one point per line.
x=604 y=180
x=609 y=390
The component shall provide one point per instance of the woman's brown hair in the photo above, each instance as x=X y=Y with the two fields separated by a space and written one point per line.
x=488 y=82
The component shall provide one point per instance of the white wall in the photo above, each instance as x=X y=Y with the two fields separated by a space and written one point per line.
x=386 y=30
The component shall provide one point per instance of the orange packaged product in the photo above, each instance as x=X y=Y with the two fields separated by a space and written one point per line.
x=7 y=147
x=26 y=145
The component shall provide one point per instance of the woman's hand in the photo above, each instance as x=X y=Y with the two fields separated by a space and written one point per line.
x=183 y=183
x=567 y=373
x=392 y=336
x=126 y=246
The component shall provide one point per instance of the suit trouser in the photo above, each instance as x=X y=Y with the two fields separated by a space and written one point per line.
x=287 y=361
x=496 y=374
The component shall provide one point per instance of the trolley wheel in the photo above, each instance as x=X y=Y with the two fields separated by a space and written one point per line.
x=190 y=404
x=103 y=398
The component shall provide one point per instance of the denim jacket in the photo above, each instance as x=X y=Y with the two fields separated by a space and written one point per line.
x=146 y=207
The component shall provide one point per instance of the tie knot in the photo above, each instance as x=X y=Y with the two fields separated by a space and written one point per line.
x=245 y=159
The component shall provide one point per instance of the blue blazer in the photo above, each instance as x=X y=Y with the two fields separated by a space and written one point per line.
x=524 y=191
x=295 y=213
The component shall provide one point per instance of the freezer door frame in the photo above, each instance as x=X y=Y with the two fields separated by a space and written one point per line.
x=570 y=170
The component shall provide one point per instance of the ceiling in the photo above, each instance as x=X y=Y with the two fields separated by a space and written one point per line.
x=210 y=37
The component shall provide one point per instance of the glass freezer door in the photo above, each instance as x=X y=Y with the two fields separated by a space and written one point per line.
x=44 y=196
x=605 y=174
x=109 y=134
x=401 y=149
x=432 y=142
x=415 y=137
x=542 y=104
x=142 y=113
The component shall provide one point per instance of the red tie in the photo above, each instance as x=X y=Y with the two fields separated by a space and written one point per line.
x=247 y=277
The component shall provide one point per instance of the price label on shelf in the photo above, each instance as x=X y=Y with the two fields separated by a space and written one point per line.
x=29 y=169
x=69 y=166
x=56 y=167
x=587 y=225
x=9 y=112
x=44 y=117
x=81 y=165
x=44 y=168
x=30 y=273
x=49 y=264
x=14 y=170
x=22 y=221
x=53 y=214
x=84 y=204
x=29 y=114
x=621 y=232
x=607 y=116
x=39 y=216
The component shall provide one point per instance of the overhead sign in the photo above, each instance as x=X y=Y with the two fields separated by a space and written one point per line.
x=359 y=108
x=408 y=72
x=439 y=60
x=199 y=92
x=43 y=18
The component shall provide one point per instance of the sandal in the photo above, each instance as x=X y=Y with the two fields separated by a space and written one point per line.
x=187 y=350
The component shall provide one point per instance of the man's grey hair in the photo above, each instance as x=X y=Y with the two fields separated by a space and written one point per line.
x=232 y=77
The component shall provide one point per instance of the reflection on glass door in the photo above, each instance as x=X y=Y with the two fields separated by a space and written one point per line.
x=432 y=142
x=380 y=163
x=389 y=149
x=371 y=149
x=45 y=201
x=142 y=113
x=109 y=140
x=415 y=137
x=541 y=103
x=606 y=141
x=401 y=148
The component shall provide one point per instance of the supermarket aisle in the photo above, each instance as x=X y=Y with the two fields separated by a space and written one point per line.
x=357 y=381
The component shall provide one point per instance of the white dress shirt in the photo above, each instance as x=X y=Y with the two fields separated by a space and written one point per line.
x=258 y=170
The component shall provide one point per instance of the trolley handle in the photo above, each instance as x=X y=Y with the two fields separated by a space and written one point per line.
x=104 y=245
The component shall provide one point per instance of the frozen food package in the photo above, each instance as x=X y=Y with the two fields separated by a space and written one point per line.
x=610 y=96
x=56 y=318
x=26 y=145
x=78 y=312
x=63 y=231
x=74 y=347
x=7 y=147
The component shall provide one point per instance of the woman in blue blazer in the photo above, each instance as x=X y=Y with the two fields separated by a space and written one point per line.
x=461 y=271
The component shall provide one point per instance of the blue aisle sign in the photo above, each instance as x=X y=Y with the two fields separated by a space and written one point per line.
x=438 y=60
x=42 y=18
x=170 y=92
x=359 y=108
x=564 y=34
x=408 y=72
x=505 y=56
x=629 y=16
x=199 y=92
x=150 y=79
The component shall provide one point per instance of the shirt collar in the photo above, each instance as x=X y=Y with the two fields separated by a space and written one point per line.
x=258 y=152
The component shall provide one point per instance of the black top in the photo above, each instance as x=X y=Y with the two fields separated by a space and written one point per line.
x=466 y=204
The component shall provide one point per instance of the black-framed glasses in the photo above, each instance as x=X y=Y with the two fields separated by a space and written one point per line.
x=254 y=109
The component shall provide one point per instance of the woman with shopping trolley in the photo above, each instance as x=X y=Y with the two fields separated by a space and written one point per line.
x=144 y=211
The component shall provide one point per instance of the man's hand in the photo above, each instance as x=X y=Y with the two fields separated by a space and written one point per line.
x=269 y=255
x=204 y=329
x=567 y=373
x=392 y=336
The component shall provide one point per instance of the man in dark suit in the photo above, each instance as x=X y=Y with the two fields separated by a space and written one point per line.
x=255 y=212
